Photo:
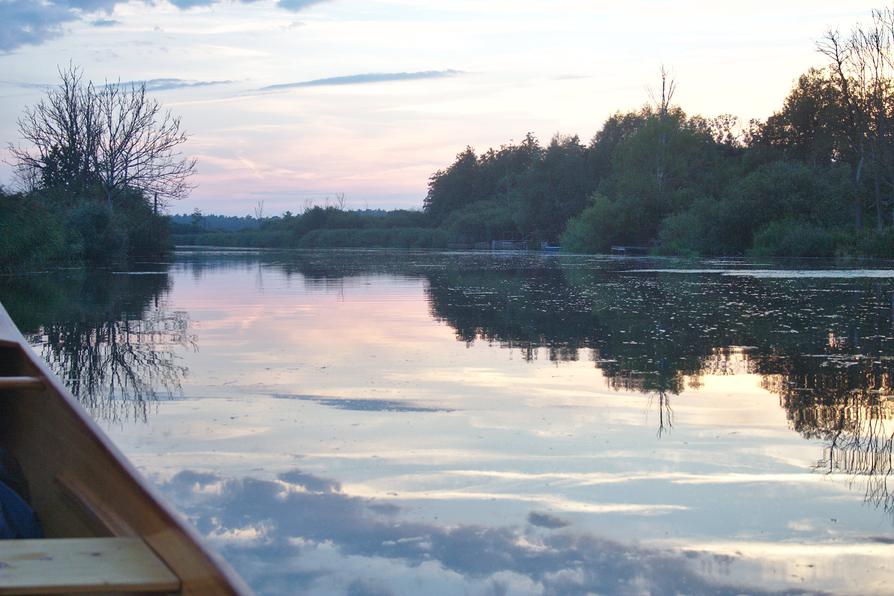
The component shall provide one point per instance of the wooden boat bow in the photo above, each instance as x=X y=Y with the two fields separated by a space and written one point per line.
x=107 y=528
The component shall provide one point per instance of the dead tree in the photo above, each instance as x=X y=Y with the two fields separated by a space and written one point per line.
x=139 y=145
x=82 y=138
x=662 y=105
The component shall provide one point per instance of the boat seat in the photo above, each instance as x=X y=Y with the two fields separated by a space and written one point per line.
x=82 y=565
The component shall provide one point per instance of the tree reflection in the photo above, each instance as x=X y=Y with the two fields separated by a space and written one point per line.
x=109 y=337
x=117 y=368
x=849 y=404
x=822 y=346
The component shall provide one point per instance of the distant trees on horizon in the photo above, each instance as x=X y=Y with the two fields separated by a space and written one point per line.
x=800 y=183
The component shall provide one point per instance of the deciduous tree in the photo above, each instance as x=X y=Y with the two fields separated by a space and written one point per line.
x=106 y=139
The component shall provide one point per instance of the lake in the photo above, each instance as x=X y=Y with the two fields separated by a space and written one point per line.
x=374 y=422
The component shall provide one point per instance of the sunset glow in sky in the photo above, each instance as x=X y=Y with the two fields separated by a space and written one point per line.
x=293 y=101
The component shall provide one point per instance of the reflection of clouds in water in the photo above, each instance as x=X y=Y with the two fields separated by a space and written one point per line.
x=310 y=483
x=300 y=532
x=545 y=520
x=361 y=405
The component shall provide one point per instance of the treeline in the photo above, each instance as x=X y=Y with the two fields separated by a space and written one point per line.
x=197 y=222
x=814 y=179
x=324 y=227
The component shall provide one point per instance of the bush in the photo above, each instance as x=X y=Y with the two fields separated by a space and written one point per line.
x=375 y=238
x=683 y=234
x=100 y=235
x=147 y=234
x=792 y=238
x=480 y=222
x=602 y=225
x=868 y=243
x=30 y=234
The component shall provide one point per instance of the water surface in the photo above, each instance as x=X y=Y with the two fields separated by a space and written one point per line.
x=371 y=422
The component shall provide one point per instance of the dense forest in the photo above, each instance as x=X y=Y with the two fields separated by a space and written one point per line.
x=797 y=184
x=816 y=178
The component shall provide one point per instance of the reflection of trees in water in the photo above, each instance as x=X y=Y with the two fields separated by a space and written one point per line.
x=819 y=344
x=635 y=328
x=848 y=403
x=117 y=368
x=109 y=337
x=822 y=346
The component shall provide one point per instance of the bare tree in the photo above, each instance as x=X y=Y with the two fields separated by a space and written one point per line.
x=668 y=88
x=862 y=67
x=62 y=131
x=112 y=138
x=662 y=105
x=139 y=145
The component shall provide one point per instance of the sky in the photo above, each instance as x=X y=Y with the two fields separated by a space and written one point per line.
x=295 y=102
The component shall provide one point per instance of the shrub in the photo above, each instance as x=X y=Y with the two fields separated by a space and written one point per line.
x=480 y=222
x=99 y=233
x=30 y=234
x=793 y=238
x=601 y=225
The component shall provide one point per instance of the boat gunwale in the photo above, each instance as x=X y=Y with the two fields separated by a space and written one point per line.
x=11 y=337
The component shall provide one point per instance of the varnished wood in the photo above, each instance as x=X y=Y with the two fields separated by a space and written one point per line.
x=80 y=484
x=79 y=565
x=103 y=515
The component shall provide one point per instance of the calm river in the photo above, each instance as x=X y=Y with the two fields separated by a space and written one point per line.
x=371 y=422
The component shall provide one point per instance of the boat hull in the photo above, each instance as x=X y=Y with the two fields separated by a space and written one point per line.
x=79 y=483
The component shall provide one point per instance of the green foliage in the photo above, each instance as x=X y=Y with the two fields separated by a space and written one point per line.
x=542 y=187
x=781 y=190
x=31 y=235
x=867 y=243
x=793 y=238
x=96 y=232
x=375 y=237
x=553 y=191
x=480 y=222
x=454 y=187
x=809 y=126
x=36 y=230
x=598 y=227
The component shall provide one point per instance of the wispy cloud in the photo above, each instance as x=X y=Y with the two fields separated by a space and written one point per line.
x=41 y=86
x=365 y=79
x=293 y=5
x=296 y=5
x=167 y=84
x=105 y=23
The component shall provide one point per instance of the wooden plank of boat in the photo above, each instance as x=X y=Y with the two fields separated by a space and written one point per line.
x=77 y=565
x=80 y=485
